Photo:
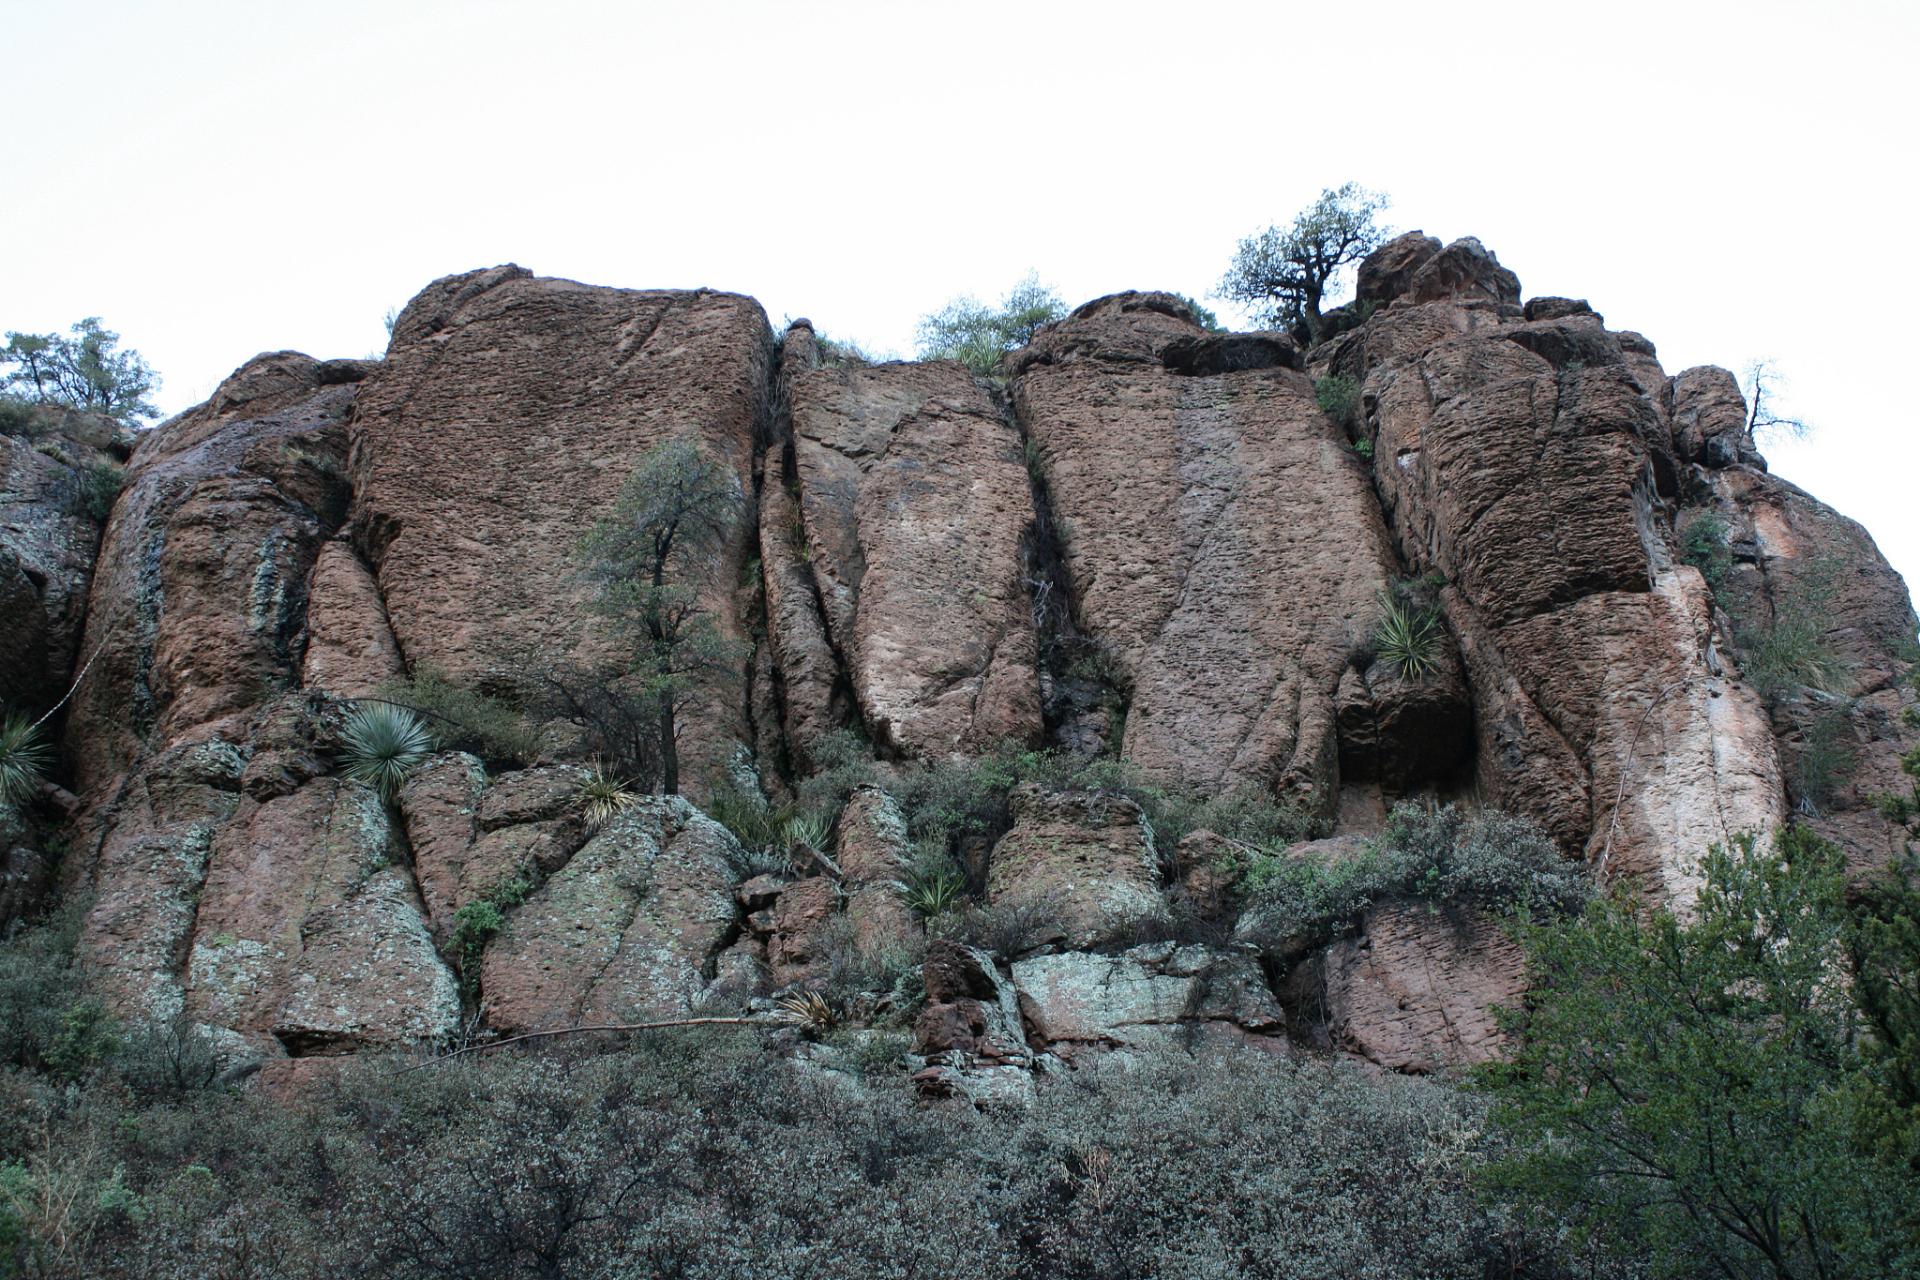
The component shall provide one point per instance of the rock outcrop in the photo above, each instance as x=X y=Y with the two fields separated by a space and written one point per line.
x=916 y=505
x=1193 y=509
x=1147 y=541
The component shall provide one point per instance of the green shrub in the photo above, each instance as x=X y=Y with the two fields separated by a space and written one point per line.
x=464 y=719
x=603 y=793
x=1011 y=928
x=169 y=1056
x=1439 y=854
x=1339 y=398
x=97 y=485
x=1697 y=1087
x=978 y=335
x=1705 y=548
x=39 y=984
x=382 y=744
x=25 y=758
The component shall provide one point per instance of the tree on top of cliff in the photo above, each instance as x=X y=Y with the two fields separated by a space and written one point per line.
x=1284 y=274
x=82 y=372
x=977 y=335
x=648 y=560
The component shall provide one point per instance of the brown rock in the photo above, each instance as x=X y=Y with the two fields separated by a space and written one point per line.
x=870 y=845
x=197 y=604
x=1389 y=270
x=1465 y=269
x=795 y=950
x=440 y=802
x=350 y=650
x=627 y=926
x=971 y=1009
x=916 y=503
x=1710 y=419
x=1414 y=992
x=1192 y=511
x=1089 y=853
x=295 y=908
x=555 y=391
x=811 y=677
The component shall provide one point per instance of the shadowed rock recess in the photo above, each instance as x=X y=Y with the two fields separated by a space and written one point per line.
x=1146 y=544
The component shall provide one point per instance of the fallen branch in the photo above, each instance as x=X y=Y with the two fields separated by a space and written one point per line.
x=612 y=1026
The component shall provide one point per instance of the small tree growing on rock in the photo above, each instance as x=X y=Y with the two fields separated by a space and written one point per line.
x=82 y=372
x=978 y=335
x=647 y=560
x=1284 y=274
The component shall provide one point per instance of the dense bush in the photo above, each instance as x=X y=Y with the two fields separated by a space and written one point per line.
x=1700 y=1086
x=707 y=1155
x=978 y=335
x=1493 y=860
x=464 y=719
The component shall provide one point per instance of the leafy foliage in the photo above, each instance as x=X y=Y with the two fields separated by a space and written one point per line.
x=465 y=719
x=648 y=561
x=1704 y=546
x=25 y=758
x=1283 y=274
x=1697 y=1084
x=382 y=744
x=1494 y=860
x=978 y=335
x=1339 y=399
x=83 y=371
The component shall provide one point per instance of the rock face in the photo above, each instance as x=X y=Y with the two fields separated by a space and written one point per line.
x=1414 y=990
x=1088 y=855
x=1147 y=540
x=1531 y=464
x=1192 y=508
x=630 y=927
x=916 y=505
x=554 y=392
x=47 y=549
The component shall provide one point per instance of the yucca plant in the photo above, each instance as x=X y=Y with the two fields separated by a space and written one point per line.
x=809 y=1010
x=810 y=829
x=603 y=794
x=24 y=760
x=1407 y=638
x=932 y=891
x=383 y=744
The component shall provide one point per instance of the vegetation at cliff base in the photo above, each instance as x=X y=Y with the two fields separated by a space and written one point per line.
x=1697 y=1084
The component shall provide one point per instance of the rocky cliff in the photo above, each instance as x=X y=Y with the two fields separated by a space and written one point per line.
x=1146 y=542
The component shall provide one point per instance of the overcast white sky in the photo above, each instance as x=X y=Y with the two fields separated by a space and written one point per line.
x=221 y=177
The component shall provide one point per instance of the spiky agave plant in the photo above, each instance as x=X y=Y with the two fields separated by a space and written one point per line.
x=383 y=744
x=603 y=793
x=810 y=829
x=1407 y=639
x=24 y=760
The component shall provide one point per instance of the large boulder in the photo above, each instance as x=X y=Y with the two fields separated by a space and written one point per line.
x=1415 y=989
x=630 y=928
x=1087 y=854
x=1152 y=996
x=917 y=511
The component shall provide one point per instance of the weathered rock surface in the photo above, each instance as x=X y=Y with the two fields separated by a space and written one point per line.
x=916 y=505
x=555 y=392
x=1147 y=997
x=1528 y=456
x=1413 y=991
x=1089 y=855
x=630 y=926
x=350 y=648
x=47 y=549
x=970 y=1033
x=1193 y=511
